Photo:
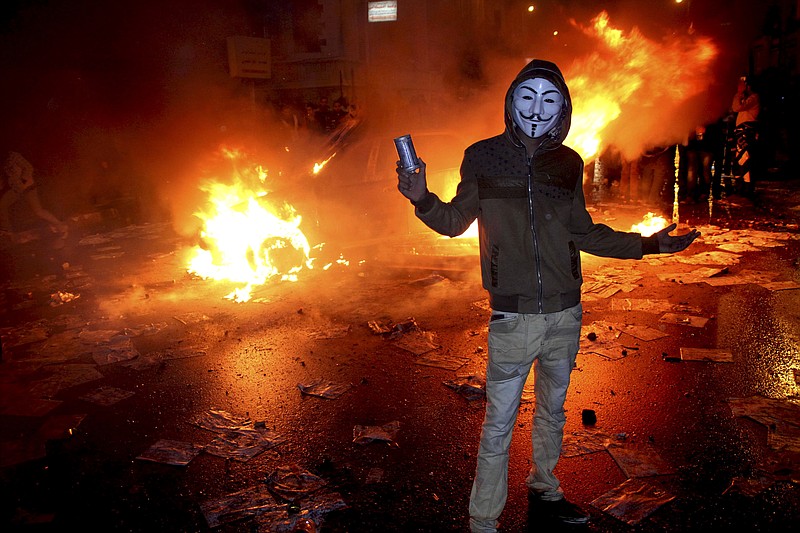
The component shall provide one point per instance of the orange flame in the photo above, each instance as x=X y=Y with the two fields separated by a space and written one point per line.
x=247 y=239
x=630 y=92
x=649 y=225
x=320 y=166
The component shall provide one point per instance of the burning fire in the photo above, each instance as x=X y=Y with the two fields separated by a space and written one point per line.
x=319 y=166
x=649 y=225
x=641 y=84
x=246 y=238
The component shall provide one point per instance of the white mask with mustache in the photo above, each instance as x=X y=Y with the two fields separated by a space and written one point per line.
x=536 y=106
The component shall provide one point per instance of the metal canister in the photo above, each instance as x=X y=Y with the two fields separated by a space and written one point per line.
x=406 y=152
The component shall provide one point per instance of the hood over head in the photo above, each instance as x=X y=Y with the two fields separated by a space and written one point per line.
x=539 y=68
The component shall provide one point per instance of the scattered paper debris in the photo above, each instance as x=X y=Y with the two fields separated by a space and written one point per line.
x=470 y=387
x=366 y=434
x=641 y=461
x=106 y=396
x=684 y=320
x=751 y=486
x=584 y=442
x=324 y=388
x=417 y=342
x=442 y=360
x=781 y=285
x=171 y=452
x=632 y=501
x=717 y=355
x=291 y=483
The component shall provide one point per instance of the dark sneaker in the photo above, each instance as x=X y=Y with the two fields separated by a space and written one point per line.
x=569 y=513
x=561 y=510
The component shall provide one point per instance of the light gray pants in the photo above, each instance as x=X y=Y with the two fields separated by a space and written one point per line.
x=549 y=343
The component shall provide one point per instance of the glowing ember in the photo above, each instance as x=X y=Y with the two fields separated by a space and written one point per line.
x=641 y=84
x=650 y=224
x=245 y=238
x=319 y=166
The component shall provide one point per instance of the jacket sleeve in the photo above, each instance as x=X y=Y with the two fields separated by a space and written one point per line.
x=454 y=217
x=599 y=239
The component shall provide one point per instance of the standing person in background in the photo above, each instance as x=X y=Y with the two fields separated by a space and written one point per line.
x=746 y=104
x=526 y=189
x=656 y=167
x=18 y=175
x=700 y=154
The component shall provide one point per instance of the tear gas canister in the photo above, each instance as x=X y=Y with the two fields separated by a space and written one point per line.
x=406 y=152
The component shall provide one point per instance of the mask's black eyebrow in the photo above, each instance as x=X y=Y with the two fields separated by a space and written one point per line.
x=550 y=91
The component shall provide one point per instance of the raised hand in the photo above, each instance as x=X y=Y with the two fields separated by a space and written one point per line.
x=412 y=184
x=669 y=244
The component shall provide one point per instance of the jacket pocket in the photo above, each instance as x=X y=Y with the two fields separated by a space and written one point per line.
x=574 y=260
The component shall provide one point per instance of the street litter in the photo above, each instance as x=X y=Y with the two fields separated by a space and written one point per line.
x=640 y=461
x=63 y=377
x=607 y=281
x=584 y=442
x=246 y=503
x=106 y=396
x=728 y=239
x=684 y=320
x=744 y=277
x=440 y=360
x=781 y=285
x=649 y=306
x=239 y=438
x=738 y=248
x=470 y=387
x=240 y=445
x=698 y=275
x=116 y=349
x=289 y=519
x=644 y=333
x=366 y=434
x=750 y=486
x=151 y=359
x=632 y=501
x=602 y=338
x=766 y=411
x=716 y=355
x=267 y=513
x=387 y=329
x=171 y=452
x=708 y=258
x=780 y=417
x=324 y=388
x=417 y=342
x=291 y=483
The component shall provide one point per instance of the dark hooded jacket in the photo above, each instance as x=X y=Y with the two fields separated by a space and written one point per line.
x=531 y=213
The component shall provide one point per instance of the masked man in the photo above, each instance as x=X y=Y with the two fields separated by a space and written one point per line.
x=526 y=190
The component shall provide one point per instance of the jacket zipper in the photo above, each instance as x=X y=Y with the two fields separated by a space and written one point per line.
x=539 y=290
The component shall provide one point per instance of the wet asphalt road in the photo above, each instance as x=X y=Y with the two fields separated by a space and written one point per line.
x=208 y=353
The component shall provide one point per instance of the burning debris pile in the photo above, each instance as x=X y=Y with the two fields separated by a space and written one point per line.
x=247 y=237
